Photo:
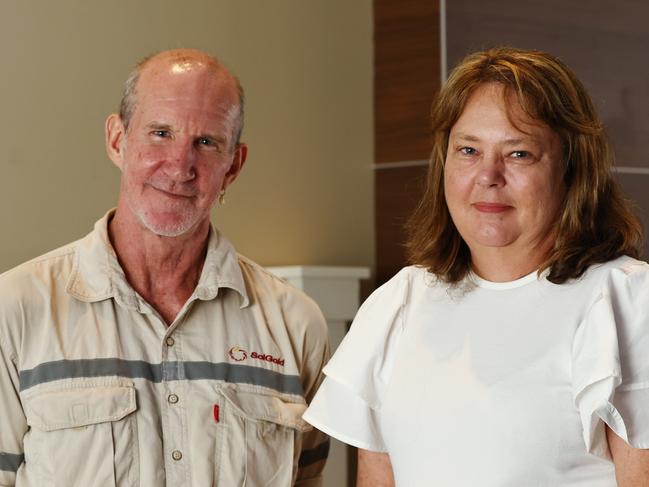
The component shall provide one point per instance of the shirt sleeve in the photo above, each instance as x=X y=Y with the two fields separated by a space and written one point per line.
x=13 y=424
x=611 y=362
x=314 y=346
x=348 y=404
x=342 y=414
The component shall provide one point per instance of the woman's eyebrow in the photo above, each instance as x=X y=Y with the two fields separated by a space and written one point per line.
x=467 y=137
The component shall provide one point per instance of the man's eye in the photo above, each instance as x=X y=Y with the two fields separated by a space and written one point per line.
x=161 y=133
x=204 y=141
x=520 y=154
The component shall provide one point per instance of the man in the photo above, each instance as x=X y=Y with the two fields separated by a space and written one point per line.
x=149 y=353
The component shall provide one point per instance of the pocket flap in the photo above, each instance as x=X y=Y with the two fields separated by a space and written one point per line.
x=261 y=407
x=79 y=406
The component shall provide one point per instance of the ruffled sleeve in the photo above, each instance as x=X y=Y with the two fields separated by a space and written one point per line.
x=611 y=361
x=348 y=402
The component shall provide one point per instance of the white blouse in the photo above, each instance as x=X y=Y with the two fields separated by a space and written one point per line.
x=495 y=384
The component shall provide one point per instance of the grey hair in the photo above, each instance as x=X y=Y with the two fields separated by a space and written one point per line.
x=128 y=102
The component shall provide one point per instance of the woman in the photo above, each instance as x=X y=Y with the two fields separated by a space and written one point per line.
x=515 y=351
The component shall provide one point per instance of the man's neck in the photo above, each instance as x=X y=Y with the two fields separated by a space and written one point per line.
x=163 y=270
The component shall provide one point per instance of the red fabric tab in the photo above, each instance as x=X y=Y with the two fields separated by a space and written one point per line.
x=216 y=413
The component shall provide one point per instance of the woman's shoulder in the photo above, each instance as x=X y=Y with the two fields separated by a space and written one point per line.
x=623 y=271
x=380 y=319
x=409 y=278
x=623 y=264
x=409 y=273
x=396 y=293
x=610 y=367
x=363 y=361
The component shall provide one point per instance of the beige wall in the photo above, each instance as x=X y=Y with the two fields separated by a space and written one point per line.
x=305 y=196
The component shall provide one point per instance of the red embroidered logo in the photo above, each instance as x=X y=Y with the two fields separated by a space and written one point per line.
x=267 y=358
x=238 y=354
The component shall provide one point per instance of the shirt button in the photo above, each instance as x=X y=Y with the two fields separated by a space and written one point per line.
x=172 y=398
x=170 y=341
x=176 y=455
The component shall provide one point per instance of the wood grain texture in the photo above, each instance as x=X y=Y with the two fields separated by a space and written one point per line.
x=604 y=42
x=397 y=191
x=406 y=77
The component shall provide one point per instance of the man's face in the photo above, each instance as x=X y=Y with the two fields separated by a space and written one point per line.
x=178 y=152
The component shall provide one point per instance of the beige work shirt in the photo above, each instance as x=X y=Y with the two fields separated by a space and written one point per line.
x=96 y=390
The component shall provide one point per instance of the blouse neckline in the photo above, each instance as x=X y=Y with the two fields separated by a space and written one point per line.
x=502 y=286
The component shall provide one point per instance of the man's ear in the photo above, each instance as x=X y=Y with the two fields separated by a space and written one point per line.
x=238 y=160
x=115 y=133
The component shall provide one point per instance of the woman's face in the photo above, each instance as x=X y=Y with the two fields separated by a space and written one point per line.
x=503 y=183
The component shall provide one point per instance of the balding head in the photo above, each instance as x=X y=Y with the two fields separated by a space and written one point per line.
x=178 y=60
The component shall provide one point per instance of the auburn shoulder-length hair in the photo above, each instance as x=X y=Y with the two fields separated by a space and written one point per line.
x=596 y=224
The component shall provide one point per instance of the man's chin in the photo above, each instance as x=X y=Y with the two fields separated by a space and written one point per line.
x=168 y=226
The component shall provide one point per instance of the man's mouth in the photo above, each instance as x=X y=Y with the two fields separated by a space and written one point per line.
x=174 y=193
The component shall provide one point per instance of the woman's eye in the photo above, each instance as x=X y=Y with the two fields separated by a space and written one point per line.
x=520 y=154
x=468 y=151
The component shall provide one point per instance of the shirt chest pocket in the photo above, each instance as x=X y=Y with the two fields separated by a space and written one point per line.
x=259 y=443
x=83 y=434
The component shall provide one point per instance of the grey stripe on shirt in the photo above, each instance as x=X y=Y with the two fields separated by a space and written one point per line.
x=10 y=462
x=138 y=369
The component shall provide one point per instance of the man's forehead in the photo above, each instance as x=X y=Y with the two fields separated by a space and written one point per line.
x=183 y=57
x=176 y=68
x=187 y=97
x=177 y=88
x=185 y=77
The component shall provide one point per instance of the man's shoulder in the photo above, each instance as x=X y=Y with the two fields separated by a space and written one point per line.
x=263 y=284
x=255 y=269
x=258 y=276
x=46 y=269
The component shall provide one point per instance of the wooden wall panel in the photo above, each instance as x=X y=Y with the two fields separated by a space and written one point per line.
x=406 y=77
x=397 y=192
x=604 y=42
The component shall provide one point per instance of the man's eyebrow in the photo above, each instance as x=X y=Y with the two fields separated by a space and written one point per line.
x=158 y=126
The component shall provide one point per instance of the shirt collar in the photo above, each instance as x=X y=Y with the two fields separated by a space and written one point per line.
x=97 y=274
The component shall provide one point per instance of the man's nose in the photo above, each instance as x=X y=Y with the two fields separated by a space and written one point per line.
x=491 y=171
x=181 y=161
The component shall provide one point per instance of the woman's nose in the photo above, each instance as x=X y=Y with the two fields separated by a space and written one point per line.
x=491 y=171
